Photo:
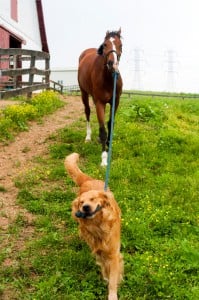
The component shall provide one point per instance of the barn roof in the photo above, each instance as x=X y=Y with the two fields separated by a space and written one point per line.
x=42 y=26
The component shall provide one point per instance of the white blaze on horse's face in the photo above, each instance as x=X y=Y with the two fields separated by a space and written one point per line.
x=115 y=62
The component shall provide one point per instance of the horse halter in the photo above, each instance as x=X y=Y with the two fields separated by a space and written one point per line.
x=113 y=51
x=109 y=63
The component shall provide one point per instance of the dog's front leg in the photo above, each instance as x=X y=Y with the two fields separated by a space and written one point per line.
x=114 y=277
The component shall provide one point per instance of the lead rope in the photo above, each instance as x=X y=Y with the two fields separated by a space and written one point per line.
x=111 y=135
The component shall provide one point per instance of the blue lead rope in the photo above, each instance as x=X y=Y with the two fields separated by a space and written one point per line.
x=111 y=135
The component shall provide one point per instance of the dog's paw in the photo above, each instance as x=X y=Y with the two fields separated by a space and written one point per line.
x=112 y=296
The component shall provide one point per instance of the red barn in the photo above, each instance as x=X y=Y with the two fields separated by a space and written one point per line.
x=22 y=26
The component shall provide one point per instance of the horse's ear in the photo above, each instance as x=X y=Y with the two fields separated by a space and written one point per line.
x=100 y=49
x=119 y=31
x=107 y=33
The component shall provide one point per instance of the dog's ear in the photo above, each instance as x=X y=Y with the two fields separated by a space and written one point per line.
x=109 y=202
x=75 y=203
x=100 y=49
x=106 y=198
x=75 y=206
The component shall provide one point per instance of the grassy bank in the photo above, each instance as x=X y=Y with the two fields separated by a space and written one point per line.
x=16 y=117
x=154 y=176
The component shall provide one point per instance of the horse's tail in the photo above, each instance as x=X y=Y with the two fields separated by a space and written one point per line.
x=73 y=170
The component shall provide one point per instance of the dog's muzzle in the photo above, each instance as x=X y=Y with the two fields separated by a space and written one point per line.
x=87 y=213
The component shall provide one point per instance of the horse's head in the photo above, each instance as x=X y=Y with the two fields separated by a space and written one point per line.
x=111 y=49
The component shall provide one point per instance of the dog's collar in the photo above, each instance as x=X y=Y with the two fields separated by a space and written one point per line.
x=84 y=215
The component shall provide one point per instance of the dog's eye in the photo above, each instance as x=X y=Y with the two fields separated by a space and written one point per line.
x=81 y=202
x=91 y=199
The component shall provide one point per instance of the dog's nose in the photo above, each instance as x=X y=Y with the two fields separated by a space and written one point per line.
x=86 y=208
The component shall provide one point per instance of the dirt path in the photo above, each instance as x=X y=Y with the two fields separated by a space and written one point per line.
x=17 y=155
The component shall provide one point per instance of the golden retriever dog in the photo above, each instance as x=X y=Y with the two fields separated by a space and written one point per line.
x=99 y=218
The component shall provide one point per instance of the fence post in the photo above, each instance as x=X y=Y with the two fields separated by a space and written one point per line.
x=31 y=76
x=47 y=67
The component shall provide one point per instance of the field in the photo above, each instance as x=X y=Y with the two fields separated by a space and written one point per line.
x=154 y=176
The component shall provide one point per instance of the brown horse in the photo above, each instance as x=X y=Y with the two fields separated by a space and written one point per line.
x=95 y=77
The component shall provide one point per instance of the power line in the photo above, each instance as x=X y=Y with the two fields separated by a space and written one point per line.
x=171 y=70
x=137 y=66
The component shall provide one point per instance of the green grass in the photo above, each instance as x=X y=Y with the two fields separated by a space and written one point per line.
x=154 y=176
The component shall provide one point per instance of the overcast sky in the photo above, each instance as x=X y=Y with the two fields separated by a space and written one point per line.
x=160 y=38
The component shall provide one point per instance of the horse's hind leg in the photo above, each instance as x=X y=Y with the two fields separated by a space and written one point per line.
x=110 y=120
x=85 y=100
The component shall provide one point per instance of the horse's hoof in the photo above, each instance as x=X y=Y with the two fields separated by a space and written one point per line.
x=87 y=140
x=103 y=164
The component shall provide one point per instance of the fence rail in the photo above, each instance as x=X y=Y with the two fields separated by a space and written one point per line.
x=56 y=86
x=12 y=70
x=153 y=94
x=70 y=89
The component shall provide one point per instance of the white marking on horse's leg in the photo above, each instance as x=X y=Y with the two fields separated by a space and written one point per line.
x=88 y=132
x=104 y=159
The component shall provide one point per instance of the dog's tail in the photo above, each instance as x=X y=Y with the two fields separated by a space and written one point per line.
x=71 y=165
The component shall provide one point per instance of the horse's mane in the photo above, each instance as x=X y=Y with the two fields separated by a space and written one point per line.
x=113 y=34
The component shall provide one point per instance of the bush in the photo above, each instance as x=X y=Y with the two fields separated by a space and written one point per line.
x=5 y=125
x=46 y=102
x=21 y=114
x=15 y=118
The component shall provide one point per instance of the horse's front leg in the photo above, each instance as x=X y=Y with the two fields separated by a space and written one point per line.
x=85 y=100
x=100 y=109
x=103 y=140
x=88 y=132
